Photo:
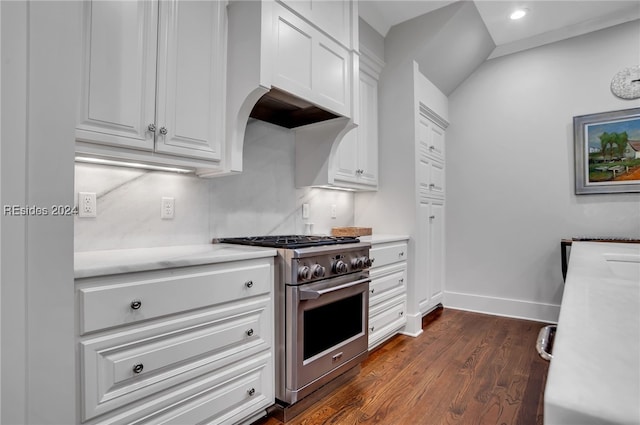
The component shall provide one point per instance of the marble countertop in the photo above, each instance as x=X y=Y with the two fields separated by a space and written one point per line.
x=382 y=238
x=106 y=262
x=594 y=376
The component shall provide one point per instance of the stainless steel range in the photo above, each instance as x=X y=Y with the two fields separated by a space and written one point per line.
x=321 y=304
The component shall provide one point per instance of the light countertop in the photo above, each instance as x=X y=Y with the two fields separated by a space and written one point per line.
x=382 y=238
x=106 y=262
x=594 y=376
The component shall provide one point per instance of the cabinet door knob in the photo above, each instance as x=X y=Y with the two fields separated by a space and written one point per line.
x=250 y=332
x=249 y=284
x=372 y=290
x=372 y=328
x=402 y=313
x=251 y=392
x=138 y=368
x=401 y=254
x=136 y=304
x=163 y=131
x=401 y=280
x=431 y=217
x=151 y=128
x=431 y=147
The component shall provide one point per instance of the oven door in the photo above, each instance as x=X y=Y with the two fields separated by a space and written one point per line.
x=328 y=331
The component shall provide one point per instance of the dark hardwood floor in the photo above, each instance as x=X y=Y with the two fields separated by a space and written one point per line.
x=465 y=368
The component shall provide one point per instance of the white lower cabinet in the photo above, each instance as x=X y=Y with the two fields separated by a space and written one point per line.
x=387 y=291
x=186 y=345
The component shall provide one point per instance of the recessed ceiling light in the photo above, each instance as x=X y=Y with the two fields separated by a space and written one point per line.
x=518 y=14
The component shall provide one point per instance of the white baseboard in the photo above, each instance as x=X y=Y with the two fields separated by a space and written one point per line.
x=540 y=312
x=414 y=325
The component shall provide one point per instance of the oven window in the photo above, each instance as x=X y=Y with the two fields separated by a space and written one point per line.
x=331 y=324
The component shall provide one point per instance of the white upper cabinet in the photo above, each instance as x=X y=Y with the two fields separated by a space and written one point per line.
x=119 y=77
x=191 y=69
x=154 y=81
x=356 y=158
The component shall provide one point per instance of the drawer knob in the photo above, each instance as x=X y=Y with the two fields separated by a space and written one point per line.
x=402 y=313
x=372 y=290
x=138 y=368
x=136 y=304
x=249 y=284
x=250 y=332
x=401 y=280
x=401 y=254
x=372 y=260
x=372 y=328
x=251 y=392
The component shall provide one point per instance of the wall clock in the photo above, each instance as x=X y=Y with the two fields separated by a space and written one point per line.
x=626 y=83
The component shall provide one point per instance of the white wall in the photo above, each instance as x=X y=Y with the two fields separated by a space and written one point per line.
x=510 y=175
x=259 y=201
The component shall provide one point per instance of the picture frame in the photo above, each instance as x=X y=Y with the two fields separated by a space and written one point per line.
x=607 y=152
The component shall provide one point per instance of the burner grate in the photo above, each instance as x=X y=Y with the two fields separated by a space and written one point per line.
x=289 y=241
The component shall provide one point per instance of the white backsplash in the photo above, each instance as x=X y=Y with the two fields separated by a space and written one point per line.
x=259 y=201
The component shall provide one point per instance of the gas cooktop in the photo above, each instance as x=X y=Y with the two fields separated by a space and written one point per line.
x=289 y=241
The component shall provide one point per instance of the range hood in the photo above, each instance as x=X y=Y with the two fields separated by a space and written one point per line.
x=258 y=87
x=283 y=109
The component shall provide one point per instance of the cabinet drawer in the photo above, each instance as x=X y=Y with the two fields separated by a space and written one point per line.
x=387 y=285
x=381 y=255
x=386 y=320
x=119 y=300
x=126 y=366
x=229 y=402
x=225 y=396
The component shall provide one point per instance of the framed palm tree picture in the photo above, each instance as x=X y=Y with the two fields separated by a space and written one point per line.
x=607 y=152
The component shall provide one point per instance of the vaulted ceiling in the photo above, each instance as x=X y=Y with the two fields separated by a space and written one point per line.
x=450 y=39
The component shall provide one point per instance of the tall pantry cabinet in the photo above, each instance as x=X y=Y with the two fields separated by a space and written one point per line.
x=411 y=195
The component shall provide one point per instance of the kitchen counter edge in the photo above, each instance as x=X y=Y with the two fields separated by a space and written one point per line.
x=383 y=238
x=117 y=261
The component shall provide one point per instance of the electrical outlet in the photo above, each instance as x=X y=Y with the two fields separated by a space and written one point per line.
x=87 y=206
x=168 y=207
x=334 y=211
x=305 y=210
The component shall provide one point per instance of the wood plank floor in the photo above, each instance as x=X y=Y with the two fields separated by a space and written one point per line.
x=465 y=368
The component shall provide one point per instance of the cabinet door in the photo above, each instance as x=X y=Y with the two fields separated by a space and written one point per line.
x=436 y=252
x=357 y=155
x=431 y=178
x=117 y=100
x=191 y=79
x=368 y=134
x=421 y=257
x=346 y=157
x=431 y=138
x=430 y=255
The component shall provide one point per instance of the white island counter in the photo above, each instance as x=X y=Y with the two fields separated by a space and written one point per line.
x=594 y=376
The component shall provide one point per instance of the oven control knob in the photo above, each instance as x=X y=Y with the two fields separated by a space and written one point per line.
x=367 y=262
x=357 y=263
x=340 y=267
x=317 y=270
x=304 y=272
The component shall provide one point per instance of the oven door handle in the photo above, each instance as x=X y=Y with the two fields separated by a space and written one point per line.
x=314 y=294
